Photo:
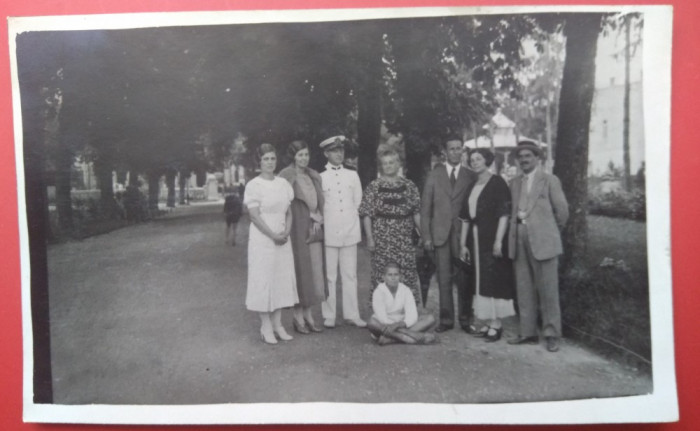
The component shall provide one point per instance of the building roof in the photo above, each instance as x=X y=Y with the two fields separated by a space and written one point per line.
x=503 y=129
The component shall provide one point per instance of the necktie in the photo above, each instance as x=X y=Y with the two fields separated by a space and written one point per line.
x=522 y=203
x=453 y=178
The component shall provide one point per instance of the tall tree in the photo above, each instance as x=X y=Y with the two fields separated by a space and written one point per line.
x=368 y=53
x=34 y=73
x=576 y=98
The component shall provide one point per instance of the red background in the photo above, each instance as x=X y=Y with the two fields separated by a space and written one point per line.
x=685 y=160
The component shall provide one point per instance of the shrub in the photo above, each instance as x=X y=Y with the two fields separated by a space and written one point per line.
x=619 y=204
x=608 y=307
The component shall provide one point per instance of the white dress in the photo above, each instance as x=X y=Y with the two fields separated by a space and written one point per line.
x=271 y=278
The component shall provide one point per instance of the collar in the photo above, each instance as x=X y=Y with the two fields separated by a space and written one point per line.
x=530 y=175
x=451 y=168
x=331 y=167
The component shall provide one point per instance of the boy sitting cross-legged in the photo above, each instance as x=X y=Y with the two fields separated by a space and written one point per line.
x=395 y=318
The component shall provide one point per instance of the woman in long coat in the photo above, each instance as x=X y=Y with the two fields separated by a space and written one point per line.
x=483 y=240
x=306 y=236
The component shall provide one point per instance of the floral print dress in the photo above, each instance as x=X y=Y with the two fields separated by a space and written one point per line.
x=392 y=206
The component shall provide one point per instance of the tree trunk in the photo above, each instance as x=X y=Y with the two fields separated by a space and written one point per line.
x=38 y=228
x=575 y=101
x=170 y=184
x=153 y=191
x=103 y=173
x=418 y=157
x=134 y=178
x=626 y=109
x=64 y=204
x=369 y=101
x=201 y=177
x=417 y=84
x=184 y=176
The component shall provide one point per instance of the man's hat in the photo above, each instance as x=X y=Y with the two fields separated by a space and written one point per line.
x=332 y=142
x=528 y=145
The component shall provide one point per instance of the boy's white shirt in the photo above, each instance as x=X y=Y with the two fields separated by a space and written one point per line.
x=390 y=308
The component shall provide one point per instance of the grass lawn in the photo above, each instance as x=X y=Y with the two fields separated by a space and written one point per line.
x=608 y=306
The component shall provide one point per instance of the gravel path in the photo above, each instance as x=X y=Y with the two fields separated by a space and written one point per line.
x=154 y=314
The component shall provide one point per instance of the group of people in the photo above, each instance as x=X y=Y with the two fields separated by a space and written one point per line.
x=497 y=243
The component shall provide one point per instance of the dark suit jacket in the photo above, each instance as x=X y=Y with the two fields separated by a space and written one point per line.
x=441 y=203
x=547 y=211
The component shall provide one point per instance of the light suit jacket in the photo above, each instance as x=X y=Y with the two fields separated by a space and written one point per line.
x=342 y=194
x=547 y=212
x=441 y=203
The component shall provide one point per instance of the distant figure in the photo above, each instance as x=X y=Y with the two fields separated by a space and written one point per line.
x=640 y=178
x=233 y=207
x=395 y=318
x=133 y=202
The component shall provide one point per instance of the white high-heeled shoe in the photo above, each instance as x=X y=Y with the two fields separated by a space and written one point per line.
x=268 y=337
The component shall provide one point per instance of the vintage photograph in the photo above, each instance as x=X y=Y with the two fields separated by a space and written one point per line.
x=369 y=208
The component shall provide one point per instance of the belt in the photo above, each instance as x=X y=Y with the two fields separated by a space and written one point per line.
x=522 y=221
x=393 y=216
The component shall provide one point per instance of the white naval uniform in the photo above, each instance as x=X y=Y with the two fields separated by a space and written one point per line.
x=342 y=193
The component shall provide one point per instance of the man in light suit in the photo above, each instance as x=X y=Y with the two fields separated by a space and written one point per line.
x=342 y=193
x=443 y=194
x=539 y=213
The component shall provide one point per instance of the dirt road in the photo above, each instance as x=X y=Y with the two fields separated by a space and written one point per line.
x=154 y=314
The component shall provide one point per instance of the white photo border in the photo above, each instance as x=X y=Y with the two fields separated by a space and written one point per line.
x=659 y=406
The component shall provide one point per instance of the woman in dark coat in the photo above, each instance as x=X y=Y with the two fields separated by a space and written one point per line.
x=306 y=236
x=483 y=241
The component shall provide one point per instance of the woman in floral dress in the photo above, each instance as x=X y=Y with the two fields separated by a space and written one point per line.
x=390 y=210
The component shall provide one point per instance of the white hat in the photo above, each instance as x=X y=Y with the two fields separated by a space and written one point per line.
x=332 y=142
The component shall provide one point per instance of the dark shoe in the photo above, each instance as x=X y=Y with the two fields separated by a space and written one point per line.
x=482 y=332
x=300 y=327
x=552 y=344
x=493 y=335
x=473 y=330
x=313 y=327
x=524 y=340
x=442 y=328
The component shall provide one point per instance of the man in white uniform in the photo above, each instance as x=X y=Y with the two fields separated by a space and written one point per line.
x=342 y=193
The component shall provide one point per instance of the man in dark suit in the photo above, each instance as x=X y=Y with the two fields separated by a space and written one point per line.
x=539 y=212
x=443 y=194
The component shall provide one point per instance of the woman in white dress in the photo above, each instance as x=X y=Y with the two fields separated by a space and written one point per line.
x=271 y=278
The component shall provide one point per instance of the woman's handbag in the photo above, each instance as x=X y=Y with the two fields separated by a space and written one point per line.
x=464 y=265
x=315 y=233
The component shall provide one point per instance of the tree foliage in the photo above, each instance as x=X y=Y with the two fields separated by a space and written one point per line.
x=175 y=99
